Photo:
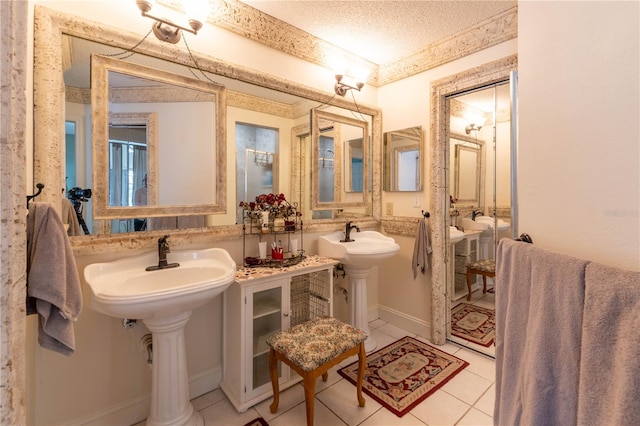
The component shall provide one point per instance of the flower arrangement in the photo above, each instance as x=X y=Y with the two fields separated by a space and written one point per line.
x=276 y=204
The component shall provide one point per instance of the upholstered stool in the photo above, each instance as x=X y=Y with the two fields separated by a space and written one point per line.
x=486 y=268
x=310 y=349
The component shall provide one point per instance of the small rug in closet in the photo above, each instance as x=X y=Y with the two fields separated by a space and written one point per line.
x=403 y=374
x=474 y=324
x=257 y=422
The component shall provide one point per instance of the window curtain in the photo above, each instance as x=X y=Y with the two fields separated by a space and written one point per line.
x=115 y=174
x=139 y=165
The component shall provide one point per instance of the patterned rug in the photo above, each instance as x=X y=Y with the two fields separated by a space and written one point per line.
x=402 y=374
x=473 y=323
x=257 y=422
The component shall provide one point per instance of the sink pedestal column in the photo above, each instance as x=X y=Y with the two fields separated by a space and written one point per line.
x=358 y=302
x=170 y=403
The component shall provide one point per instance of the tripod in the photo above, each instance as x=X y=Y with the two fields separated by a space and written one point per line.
x=77 y=206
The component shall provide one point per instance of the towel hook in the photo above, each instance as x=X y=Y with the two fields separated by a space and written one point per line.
x=426 y=214
x=525 y=238
x=31 y=197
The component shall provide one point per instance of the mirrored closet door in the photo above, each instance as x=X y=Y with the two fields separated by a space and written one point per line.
x=479 y=135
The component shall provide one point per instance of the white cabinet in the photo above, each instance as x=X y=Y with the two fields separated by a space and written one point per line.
x=466 y=251
x=261 y=302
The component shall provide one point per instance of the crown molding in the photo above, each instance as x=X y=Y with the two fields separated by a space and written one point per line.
x=246 y=21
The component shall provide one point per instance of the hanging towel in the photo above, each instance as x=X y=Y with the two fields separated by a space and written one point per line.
x=609 y=391
x=70 y=218
x=53 y=285
x=421 y=249
x=539 y=300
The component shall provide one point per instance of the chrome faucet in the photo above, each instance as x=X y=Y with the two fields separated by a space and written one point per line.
x=475 y=214
x=347 y=232
x=163 y=249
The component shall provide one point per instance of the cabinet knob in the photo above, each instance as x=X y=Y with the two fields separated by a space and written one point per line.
x=286 y=314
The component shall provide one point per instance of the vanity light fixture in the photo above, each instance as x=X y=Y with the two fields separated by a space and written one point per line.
x=342 y=88
x=169 y=31
x=472 y=127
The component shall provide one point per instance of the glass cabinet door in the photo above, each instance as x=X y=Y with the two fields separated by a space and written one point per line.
x=267 y=319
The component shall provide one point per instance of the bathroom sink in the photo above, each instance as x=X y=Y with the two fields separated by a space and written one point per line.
x=124 y=289
x=473 y=225
x=455 y=235
x=367 y=249
x=502 y=225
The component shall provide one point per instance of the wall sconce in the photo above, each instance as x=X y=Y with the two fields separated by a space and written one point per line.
x=342 y=88
x=472 y=127
x=169 y=31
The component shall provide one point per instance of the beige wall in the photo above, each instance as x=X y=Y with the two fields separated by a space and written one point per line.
x=108 y=375
x=579 y=169
x=406 y=103
x=583 y=201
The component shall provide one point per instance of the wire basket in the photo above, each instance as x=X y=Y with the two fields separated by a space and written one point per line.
x=309 y=297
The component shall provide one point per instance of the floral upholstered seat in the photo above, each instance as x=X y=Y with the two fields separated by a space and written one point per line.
x=310 y=349
x=315 y=342
x=485 y=267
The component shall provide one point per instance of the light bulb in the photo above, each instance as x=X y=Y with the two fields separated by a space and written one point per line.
x=198 y=9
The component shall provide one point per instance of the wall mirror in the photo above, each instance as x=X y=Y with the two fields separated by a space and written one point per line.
x=179 y=171
x=339 y=150
x=354 y=165
x=468 y=172
x=403 y=169
x=251 y=97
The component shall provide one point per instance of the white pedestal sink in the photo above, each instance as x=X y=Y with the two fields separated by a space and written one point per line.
x=486 y=225
x=358 y=257
x=163 y=299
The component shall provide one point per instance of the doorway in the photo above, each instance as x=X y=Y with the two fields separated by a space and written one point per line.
x=479 y=129
x=442 y=259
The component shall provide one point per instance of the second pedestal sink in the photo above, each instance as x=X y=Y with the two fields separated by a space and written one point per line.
x=367 y=249
x=455 y=235
x=485 y=224
x=163 y=299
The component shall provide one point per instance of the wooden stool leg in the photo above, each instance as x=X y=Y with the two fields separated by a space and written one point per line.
x=309 y=383
x=362 y=362
x=484 y=283
x=469 y=275
x=273 y=373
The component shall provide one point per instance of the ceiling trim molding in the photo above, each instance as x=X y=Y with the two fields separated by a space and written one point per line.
x=251 y=23
x=246 y=21
x=490 y=32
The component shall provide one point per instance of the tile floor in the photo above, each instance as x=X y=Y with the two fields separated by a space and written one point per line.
x=467 y=399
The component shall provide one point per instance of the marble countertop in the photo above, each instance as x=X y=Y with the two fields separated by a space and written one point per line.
x=310 y=262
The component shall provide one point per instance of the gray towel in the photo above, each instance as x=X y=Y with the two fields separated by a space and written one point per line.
x=539 y=300
x=609 y=390
x=421 y=249
x=69 y=217
x=53 y=285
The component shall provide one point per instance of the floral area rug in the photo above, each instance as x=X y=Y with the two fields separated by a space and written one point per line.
x=404 y=373
x=473 y=323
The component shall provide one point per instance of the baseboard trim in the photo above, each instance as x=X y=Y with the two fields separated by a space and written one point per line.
x=407 y=322
x=137 y=409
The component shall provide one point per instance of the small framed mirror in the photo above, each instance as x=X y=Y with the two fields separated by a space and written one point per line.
x=152 y=130
x=403 y=169
x=340 y=152
x=467 y=178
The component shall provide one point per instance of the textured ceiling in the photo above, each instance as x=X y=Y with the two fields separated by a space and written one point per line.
x=381 y=31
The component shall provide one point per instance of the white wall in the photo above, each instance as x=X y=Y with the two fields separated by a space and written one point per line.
x=108 y=375
x=407 y=103
x=579 y=140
